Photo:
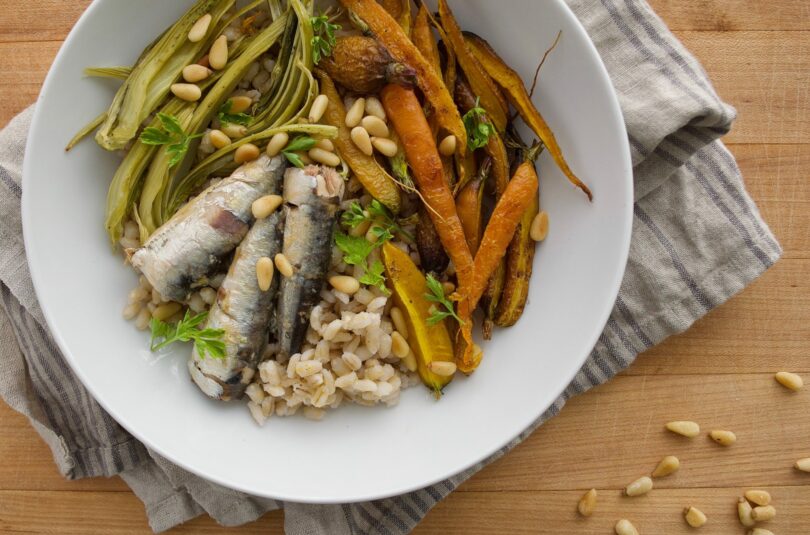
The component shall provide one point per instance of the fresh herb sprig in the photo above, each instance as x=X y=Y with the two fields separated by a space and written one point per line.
x=324 y=39
x=171 y=134
x=437 y=296
x=206 y=341
x=478 y=127
x=377 y=214
x=356 y=250
x=226 y=117
x=301 y=143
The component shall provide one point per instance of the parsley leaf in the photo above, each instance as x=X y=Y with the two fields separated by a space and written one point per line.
x=354 y=216
x=374 y=276
x=170 y=134
x=226 y=117
x=479 y=129
x=324 y=39
x=436 y=295
x=301 y=143
x=355 y=253
x=206 y=341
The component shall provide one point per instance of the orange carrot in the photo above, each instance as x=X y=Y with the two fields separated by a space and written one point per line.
x=406 y=115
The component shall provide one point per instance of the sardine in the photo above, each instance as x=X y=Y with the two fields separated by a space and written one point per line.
x=312 y=196
x=186 y=249
x=243 y=311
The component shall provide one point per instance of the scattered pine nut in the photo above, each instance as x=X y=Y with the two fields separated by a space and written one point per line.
x=684 y=428
x=196 y=73
x=763 y=513
x=283 y=265
x=759 y=497
x=442 y=368
x=399 y=322
x=374 y=107
x=385 y=146
x=345 y=284
x=668 y=465
x=539 y=228
x=639 y=487
x=410 y=362
x=187 y=92
x=375 y=126
x=240 y=104
x=399 y=346
x=724 y=438
x=694 y=517
x=200 y=28
x=218 y=55
x=246 y=153
x=625 y=527
x=318 y=108
x=790 y=380
x=325 y=144
x=324 y=157
x=305 y=159
x=447 y=147
x=265 y=206
x=448 y=287
x=356 y=112
x=218 y=139
x=234 y=131
x=587 y=504
x=760 y=531
x=803 y=464
x=166 y=311
x=362 y=140
x=264 y=273
x=744 y=510
x=277 y=143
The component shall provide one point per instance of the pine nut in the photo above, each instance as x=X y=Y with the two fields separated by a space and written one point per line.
x=218 y=139
x=760 y=531
x=639 y=487
x=625 y=527
x=264 y=273
x=399 y=346
x=345 y=284
x=264 y=206
x=318 y=108
x=142 y=321
x=362 y=140
x=166 y=311
x=442 y=368
x=448 y=287
x=803 y=464
x=763 y=513
x=234 y=131
x=187 y=92
x=386 y=147
x=744 y=510
x=360 y=230
x=667 y=466
x=539 y=228
x=200 y=28
x=410 y=362
x=789 y=380
x=447 y=147
x=324 y=157
x=375 y=126
x=724 y=438
x=759 y=497
x=587 y=503
x=356 y=112
x=374 y=107
x=685 y=428
x=694 y=517
x=283 y=265
x=240 y=104
x=325 y=144
x=399 y=322
x=195 y=73
x=131 y=310
x=218 y=55
x=304 y=157
x=276 y=143
x=246 y=153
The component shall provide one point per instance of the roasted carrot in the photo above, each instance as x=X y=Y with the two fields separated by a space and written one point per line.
x=400 y=10
x=516 y=93
x=469 y=207
x=519 y=263
x=390 y=34
x=423 y=39
x=482 y=85
x=405 y=113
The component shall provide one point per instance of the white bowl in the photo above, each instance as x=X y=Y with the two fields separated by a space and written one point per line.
x=355 y=453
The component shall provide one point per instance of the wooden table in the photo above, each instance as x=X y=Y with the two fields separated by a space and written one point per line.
x=718 y=373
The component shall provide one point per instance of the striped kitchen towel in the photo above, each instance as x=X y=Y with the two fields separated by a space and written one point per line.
x=697 y=240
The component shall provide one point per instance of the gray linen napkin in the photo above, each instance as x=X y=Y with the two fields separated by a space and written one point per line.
x=697 y=240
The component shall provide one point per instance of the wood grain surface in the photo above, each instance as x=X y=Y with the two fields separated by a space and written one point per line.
x=719 y=373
